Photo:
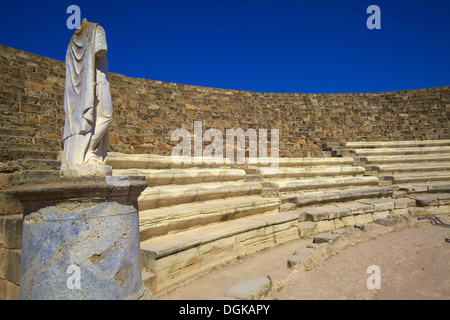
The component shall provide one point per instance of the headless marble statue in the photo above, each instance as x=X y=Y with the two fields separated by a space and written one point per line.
x=87 y=104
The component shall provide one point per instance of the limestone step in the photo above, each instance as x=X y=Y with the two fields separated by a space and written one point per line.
x=429 y=188
x=442 y=176
x=176 y=257
x=39 y=164
x=340 y=215
x=161 y=196
x=39 y=174
x=31 y=143
x=334 y=211
x=302 y=162
x=33 y=154
x=17 y=132
x=435 y=199
x=183 y=176
x=400 y=151
x=410 y=167
x=445 y=157
x=395 y=144
x=340 y=210
x=312 y=171
x=320 y=183
x=336 y=195
x=160 y=221
x=151 y=161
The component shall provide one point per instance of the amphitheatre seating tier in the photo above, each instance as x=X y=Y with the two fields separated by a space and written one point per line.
x=400 y=151
x=395 y=144
x=155 y=177
x=417 y=159
x=194 y=216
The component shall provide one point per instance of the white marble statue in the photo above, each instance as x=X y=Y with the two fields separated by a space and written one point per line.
x=87 y=103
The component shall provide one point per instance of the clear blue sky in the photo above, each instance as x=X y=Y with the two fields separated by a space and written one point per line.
x=260 y=45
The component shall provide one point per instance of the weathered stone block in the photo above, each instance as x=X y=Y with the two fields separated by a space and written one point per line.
x=325 y=225
x=11 y=231
x=251 y=289
x=326 y=237
x=13 y=265
x=8 y=290
x=388 y=221
x=363 y=218
x=306 y=228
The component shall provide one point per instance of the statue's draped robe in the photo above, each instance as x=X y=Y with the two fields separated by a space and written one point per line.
x=87 y=98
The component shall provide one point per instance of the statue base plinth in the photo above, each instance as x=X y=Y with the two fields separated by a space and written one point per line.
x=81 y=239
x=86 y=170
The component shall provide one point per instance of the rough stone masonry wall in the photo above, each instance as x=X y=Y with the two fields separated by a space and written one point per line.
x=146 y=112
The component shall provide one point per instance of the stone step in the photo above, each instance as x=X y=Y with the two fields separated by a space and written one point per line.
x=338 y=215
x=418 y=177
x=17 y=132
x=183 y=176
x=150 y=161
x=320 y=183
x=39 y=164
x=329 y=196
x=410 y=167
x=406 y=159
x=400 y=151
x=333 y=211
x=339 y=210
x=312 y=171
x=301 y=162
x=21 y=143
x=161 y=196
x=429 y=188
x=177 y=257
x=395 y=144
x=34 y=154
x=39 y=174
x=161 y=221
x=435 y=199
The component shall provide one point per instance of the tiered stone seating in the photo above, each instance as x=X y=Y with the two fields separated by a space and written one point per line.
x=404 y=162
x=29 y=157
x=195 y=216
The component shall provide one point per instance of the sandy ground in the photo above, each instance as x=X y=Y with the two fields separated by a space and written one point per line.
x=413 y=260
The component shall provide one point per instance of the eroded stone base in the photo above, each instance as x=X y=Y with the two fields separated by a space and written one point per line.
x=81 y=239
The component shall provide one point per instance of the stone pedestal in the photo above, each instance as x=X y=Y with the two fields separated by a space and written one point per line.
x=81 y=238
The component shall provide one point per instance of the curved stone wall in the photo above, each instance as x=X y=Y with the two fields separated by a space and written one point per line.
x=146 y=112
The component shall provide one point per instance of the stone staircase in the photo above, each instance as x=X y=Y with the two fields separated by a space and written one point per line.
x=195 y=217
x=25 y=156
x=402 y=163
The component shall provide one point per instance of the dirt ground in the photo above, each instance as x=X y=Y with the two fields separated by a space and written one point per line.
x=413 y=260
